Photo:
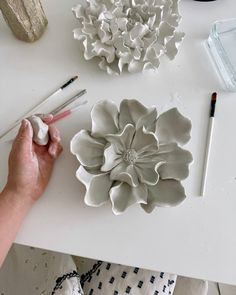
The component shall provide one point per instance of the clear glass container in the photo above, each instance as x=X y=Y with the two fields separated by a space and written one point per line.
x=222 y=44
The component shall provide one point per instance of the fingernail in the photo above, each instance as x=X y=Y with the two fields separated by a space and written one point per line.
x=25 y=123
x=56 y=138
x=52 y=151
x=46 y=116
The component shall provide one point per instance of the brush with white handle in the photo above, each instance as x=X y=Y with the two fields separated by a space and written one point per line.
x=42 y=103
x=209 y=142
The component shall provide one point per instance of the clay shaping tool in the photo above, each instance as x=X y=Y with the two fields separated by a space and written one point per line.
x=68 y=102
x=56 y=116
x=35 y=108
x=66 y=113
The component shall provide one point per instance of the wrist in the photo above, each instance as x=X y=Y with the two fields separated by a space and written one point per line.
x=17 y=198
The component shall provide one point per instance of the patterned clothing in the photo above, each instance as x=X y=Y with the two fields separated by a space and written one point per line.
x=32 y=271
x=113 y=279
x=39 y=272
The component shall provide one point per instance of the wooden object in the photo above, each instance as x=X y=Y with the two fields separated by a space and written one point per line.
x=26 y=18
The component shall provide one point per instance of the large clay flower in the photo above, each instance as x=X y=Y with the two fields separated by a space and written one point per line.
x=132 y=156
x=128 y=33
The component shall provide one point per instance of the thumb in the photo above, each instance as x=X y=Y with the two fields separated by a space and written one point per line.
x=24 y=137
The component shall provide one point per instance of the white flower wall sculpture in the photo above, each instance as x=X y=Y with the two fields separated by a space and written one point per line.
x=131 y=33
x=133 y=156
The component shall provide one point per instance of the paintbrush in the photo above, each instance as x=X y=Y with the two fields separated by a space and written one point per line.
x=68 y=102
x=42 y=103
x=57 y=117
x=209 y=141
x=66 y=113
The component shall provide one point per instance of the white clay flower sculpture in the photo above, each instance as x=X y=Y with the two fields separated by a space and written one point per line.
x=132 y=156
x=131 y=33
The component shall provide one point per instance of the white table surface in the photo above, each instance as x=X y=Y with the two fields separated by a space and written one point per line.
x=196 y=239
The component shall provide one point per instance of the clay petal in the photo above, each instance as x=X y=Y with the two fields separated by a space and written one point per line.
x=133 y=112
x=173 y=44
x=88 y=150
x=123 y=140
x=135 y=66
x=111 y=158
x=104 y=117
x=165 y=31
x=173 y=127
x=104 y=50
x=148 y=121
x=147 y=172
x=103 y=65
x=166 y=193
x=176 y=160
x=144 y=140
x=123 y=196
x=125 y=173
x=97 y=187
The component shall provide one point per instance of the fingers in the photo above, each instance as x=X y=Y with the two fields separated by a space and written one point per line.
x=55 y=147
x=24 y=138
x=47 y=118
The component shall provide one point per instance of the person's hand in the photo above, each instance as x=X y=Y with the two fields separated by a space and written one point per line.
x=30 y=165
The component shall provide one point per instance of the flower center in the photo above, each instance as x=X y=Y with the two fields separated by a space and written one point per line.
x=130 y=156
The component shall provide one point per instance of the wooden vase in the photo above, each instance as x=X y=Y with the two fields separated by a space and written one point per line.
x=26 y=18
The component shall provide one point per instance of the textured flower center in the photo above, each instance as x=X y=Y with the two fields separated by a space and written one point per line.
x=130 y=156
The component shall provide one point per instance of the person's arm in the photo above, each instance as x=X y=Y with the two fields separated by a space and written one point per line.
x=30 y=168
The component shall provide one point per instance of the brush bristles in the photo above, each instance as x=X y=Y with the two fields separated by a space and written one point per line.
x=213 y=104
x=214 y=96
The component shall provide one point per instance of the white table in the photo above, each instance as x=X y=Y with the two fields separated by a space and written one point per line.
x=196 y=239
